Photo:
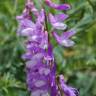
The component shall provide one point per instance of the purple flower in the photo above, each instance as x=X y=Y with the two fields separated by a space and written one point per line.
x=64 y=39
x=28 y=8
x=57 y=6
x=56 y=22
x=40 y=63
x=69 y=91
x=31 y=8
x=25 y=27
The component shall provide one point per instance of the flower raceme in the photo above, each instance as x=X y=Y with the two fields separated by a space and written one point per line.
x=40 y=64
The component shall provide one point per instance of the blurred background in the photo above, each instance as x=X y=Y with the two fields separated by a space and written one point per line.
x=78 y=64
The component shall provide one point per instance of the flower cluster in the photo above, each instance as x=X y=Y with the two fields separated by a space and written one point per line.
x=40 y=64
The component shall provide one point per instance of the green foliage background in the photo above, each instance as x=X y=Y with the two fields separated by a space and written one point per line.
x=78 y=64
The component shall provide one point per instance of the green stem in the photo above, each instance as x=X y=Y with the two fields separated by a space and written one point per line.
x=46 y=22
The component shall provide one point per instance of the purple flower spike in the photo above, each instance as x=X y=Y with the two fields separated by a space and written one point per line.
x=57 y=6
x=41 y=75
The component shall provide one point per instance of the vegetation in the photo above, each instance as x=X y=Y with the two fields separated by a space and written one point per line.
x=78 y=64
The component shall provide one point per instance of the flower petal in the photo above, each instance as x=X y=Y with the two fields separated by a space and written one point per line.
x=27 y=32
x=61 y=17
x=44 y=71
x=39 y=83
x=68 y=34
x=41 y=16
x=52 y=18
x=67 y=43
x=39 y=93
x=59 y=26
x=27 y=56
